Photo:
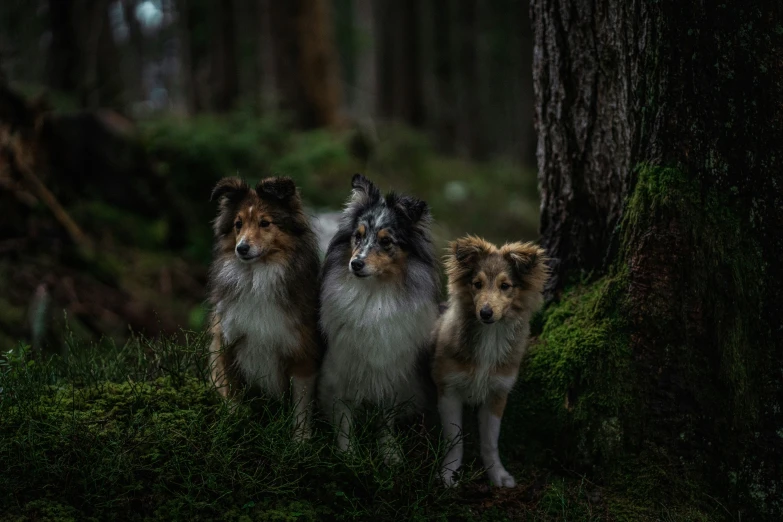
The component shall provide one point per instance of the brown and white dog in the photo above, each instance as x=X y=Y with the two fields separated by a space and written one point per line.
x=481 y=338
x=264 y=291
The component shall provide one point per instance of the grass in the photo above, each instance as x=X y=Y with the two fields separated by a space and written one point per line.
x=138 y=432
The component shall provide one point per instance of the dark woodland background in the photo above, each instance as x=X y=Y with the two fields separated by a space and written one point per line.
x=639 y=142
x=137 y=108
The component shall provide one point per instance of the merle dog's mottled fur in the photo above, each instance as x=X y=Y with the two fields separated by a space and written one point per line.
x=264 y=291
x=378 y=305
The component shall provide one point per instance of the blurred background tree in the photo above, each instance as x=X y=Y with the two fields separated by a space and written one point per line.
x=118 y=116
x=459 y=71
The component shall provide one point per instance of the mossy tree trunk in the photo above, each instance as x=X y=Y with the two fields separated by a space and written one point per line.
x=660 y=143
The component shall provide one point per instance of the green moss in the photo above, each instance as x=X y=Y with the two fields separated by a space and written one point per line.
x=576 y=379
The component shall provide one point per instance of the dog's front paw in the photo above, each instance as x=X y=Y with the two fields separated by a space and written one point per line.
x=448 y=477
x=390 y=450
x=302 y=434
x=392 y=458
x=501 y=478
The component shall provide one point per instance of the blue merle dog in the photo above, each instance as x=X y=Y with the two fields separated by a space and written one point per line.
x=378 y=308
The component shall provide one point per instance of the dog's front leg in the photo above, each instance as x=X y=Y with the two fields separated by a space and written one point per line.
x=390 y=448
x=490 y=415
x=450 y=408
x=342 y=418
x=302 y=396
x=217 y=358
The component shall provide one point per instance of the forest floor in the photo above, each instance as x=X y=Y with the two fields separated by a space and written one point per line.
x=138 y=432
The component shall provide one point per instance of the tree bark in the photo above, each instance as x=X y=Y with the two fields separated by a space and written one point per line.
x=657 y=124
x=83 y=56
x=136 y=50
x=306 y=62
x=318 y=66
x=63 y=67
x=407 y=78
x=366 y=60
x=586 y=117
x=445 y=97
x=470 y=124
x=225 y=75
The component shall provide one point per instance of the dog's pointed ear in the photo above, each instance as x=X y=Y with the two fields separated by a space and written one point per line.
x=412 y=209
x=280 y=189
x=463 y=254
x=229 y=189
x=364 y=190
x=229 y=192
x=467 y=250
x=525 y=258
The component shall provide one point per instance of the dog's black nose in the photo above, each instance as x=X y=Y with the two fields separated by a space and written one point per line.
x=243 y=249
x=486 y=313
x=357 y=264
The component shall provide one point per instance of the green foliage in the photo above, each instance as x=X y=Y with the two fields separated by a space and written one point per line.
x=193 y=155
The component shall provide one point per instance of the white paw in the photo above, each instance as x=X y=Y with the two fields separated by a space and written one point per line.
x=302 y=434
x=501 y=478
x=392 y=456
x=447 y=475
x=390 y=449
x=344 y=445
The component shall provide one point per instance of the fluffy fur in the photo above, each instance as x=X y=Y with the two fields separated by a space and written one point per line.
x=378 y=307
x=481 y=338
x=264 y=293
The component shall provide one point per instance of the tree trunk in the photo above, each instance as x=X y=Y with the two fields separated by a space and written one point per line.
x=63 y=66
x=586 y=118
x=366 y=60
x=306 y=61
x=660 y=131
x=270 y=80
x=225 y=75
x=470 y=124
x=407 y=85
x=83 y=56
x=318 y=62
x=445 y=98
x=136 y=52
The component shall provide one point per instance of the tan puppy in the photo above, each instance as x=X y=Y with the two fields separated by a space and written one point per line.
x=480 y=340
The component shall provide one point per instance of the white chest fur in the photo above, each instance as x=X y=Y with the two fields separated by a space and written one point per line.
x=375 y=334
x=255 y=318
x=491 y=346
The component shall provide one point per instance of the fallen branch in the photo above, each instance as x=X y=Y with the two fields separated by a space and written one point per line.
x=45 y=195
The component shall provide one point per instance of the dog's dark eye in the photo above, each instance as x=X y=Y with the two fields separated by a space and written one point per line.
x=477 y=285
x=238 y=224
x=264 y=223
x=357 y=236
x=505 y=286
x=384 y=242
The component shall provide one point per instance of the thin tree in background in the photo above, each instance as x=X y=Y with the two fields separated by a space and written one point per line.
x=366 y=59
x=225 y=75
x=305 y=61
x=83 y=55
